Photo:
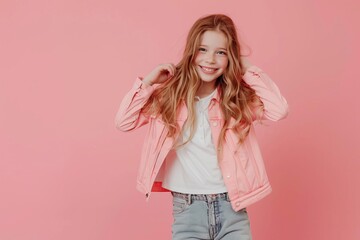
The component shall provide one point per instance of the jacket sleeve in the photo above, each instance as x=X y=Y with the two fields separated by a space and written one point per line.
x=129 y=115
x=275 y=105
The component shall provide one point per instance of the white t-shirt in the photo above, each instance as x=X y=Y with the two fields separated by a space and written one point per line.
x=193 y=168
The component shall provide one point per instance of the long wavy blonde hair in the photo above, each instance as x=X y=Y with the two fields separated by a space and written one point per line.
x=237 y=99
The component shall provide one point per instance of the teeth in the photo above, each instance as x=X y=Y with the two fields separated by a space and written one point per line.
x=208 y=69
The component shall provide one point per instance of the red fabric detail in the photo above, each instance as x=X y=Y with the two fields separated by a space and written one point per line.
x=157 y=187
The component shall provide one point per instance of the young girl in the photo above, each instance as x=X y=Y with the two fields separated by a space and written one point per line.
x=201 y=144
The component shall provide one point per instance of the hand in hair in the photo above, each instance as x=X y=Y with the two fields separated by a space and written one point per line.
x=160 y=74
x=245 y=63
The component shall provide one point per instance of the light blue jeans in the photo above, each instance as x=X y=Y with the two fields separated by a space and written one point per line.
x=208 y=216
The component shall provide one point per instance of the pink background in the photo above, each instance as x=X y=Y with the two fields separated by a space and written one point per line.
x=67 y=173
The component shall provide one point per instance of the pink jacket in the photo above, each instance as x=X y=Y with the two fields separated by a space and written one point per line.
x=242 y=166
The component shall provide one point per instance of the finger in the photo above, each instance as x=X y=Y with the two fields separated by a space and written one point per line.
x=172 y=66
x=170 y=70
x=164 y=69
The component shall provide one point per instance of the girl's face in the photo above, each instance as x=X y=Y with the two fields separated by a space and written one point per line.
x=211 y=59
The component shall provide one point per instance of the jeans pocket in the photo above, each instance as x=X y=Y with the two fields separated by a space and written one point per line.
x=243 y=210
x=179 y=205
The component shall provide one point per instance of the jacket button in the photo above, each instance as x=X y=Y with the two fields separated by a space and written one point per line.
x=237 y=204
x=228 y=176
x=214 y=124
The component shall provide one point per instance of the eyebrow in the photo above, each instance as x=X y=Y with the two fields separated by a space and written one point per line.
x=208 y=46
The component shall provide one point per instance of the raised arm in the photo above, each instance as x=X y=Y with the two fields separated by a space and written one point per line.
x=275 y=105
x=129 y=115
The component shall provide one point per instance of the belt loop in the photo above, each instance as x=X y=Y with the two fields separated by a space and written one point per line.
x=227 y=197
x=189 y=199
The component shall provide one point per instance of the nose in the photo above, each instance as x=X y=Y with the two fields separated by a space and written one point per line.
x=210 y=58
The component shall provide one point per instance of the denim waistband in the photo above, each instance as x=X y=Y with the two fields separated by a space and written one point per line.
x=201 y=197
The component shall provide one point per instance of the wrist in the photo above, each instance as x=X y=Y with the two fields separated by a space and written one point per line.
x=245 y=63
x=147 y=82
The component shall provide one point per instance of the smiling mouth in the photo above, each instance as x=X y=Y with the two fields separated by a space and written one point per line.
x=208 y=69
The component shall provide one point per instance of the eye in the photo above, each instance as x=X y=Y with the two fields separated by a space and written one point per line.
x=221 y=52
x=202 y=49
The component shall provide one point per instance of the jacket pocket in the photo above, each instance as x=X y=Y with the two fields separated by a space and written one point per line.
x=159 y=135
x=243 y=162
x=151 y=148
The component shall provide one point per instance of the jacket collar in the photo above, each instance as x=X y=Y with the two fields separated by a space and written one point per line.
x=183 y=112
x=217 y=94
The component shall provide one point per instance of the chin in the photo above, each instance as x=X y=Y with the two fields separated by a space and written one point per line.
x=208 y=79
